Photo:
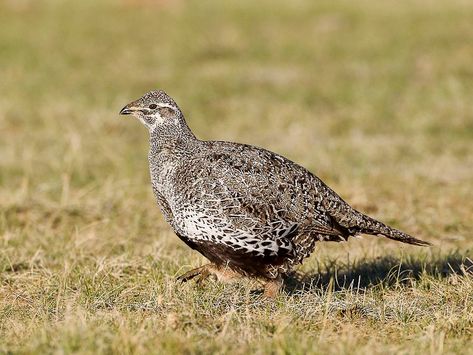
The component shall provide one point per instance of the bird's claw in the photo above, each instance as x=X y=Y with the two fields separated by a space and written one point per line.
x=201 y=272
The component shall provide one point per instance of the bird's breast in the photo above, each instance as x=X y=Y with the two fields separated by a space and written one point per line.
x=162 y=171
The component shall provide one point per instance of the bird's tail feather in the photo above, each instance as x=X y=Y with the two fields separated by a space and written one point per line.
x=374 y=227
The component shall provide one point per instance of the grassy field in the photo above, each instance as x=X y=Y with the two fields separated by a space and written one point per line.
x=374 y=97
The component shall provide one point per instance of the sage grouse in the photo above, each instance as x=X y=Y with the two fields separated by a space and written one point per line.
x=249 y=211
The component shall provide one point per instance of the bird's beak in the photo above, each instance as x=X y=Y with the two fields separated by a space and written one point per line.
x=129 y=109
x=125 y=111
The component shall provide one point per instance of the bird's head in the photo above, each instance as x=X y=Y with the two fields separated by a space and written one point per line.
x=153 y=108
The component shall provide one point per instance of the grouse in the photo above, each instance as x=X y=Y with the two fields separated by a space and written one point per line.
x=250 y=211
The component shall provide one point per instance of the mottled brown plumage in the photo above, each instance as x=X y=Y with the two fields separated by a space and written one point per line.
x=246 y=209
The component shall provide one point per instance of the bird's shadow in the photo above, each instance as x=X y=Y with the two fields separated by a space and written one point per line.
x=386 y=271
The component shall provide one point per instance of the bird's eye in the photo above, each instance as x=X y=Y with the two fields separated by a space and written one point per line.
x=153 y=106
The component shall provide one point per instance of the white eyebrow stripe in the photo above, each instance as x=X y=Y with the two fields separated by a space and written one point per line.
x=167 y=105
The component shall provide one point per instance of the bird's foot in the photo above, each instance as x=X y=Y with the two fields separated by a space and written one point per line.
x=272 y=287
x=201 y=272
x=222 y=274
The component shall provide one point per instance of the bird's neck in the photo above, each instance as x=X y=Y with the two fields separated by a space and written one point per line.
x=173 y=136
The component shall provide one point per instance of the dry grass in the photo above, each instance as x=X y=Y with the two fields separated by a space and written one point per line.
x=374 y=97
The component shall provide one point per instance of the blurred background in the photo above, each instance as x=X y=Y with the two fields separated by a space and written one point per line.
x=373 y=97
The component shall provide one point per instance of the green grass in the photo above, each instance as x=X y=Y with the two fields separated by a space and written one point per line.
x=374 y=97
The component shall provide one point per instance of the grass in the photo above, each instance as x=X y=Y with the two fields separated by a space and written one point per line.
x=374 y=97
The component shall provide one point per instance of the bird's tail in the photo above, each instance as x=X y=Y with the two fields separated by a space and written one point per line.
x=374 y=227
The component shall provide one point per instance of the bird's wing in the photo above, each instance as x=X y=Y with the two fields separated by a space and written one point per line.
x=251 y=198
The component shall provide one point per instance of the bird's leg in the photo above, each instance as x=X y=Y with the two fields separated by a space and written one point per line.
x=272 y=287
x=224 y=274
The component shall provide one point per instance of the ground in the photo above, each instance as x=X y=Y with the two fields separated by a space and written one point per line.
x=374 y=97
